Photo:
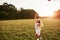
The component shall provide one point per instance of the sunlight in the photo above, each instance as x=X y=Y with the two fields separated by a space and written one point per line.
x=49 y=14
x=45 y=13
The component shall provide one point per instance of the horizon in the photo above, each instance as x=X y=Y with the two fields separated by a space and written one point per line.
x=42 y=7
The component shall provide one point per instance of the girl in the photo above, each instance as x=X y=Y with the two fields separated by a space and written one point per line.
x=38 y=25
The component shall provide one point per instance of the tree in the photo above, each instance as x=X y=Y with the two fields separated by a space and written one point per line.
x=10 y=9
x=3 y=15
x=27 y=13
x=57 y=14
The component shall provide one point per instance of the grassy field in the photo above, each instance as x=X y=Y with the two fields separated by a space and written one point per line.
x=24 y=29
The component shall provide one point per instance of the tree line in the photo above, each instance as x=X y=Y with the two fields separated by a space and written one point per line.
x=9 y=11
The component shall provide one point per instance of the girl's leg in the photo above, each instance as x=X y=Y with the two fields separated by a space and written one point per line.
x=40 y=37
x=37 y=36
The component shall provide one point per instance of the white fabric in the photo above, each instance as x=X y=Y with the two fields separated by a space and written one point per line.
x=37 y=28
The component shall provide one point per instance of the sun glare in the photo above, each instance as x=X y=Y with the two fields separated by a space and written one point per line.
x=49 y=15
x=46 y=14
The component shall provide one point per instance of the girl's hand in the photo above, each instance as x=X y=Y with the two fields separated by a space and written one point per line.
x=38 y=24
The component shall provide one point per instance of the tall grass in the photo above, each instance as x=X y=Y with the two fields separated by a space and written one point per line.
x=24 y=29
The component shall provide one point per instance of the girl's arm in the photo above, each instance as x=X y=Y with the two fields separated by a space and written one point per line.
x=42 y=24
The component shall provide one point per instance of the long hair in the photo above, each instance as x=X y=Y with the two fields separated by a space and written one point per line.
x=38 y=21
x=36 y=16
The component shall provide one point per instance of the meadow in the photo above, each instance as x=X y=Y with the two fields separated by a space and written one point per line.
x=24 y=29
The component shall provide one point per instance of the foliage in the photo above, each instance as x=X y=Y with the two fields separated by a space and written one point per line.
x=9 y=11
x=57 y=14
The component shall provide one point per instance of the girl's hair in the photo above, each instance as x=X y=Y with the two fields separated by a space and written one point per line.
x=38 y=21
x=37 y=17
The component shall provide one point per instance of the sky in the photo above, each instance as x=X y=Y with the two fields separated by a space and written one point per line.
x=42 y=7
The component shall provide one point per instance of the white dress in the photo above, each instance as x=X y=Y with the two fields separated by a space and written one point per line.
x=37 y=28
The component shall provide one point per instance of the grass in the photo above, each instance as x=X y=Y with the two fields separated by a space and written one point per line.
x=24 y=29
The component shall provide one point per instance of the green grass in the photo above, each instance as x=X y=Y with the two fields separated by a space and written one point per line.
x=24 y=29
